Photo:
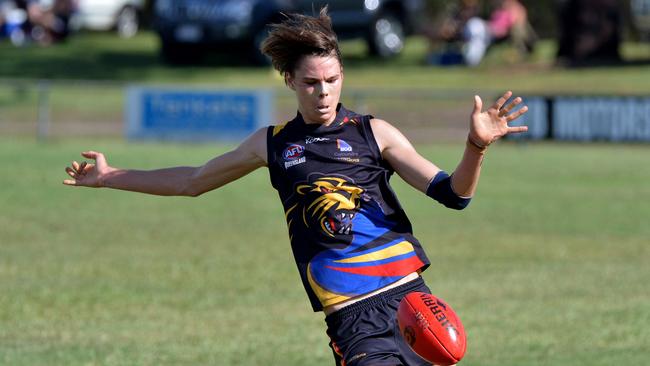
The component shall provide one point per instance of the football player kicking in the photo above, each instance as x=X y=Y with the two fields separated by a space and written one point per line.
x=352 y=242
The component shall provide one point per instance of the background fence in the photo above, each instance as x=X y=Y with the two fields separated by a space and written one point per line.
x=54 y=109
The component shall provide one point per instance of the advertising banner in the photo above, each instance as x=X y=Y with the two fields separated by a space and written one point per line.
x=191 y=114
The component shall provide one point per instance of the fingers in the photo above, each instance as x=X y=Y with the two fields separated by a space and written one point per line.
x=78 y=169
x=517 y=114
x=71 y=172
x=478 y=105
x=97 y=156
x=505 y=110
x=501 y=101
x=88 y=167
x=517 y=129
x=90 y=154
x=514 y=116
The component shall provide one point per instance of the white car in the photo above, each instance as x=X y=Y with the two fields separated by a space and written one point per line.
x=102 y=15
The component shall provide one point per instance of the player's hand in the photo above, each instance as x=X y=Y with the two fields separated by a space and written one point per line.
x=88 y=175
x=488 y=126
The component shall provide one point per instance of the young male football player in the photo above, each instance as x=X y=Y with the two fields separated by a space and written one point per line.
x=352 y=242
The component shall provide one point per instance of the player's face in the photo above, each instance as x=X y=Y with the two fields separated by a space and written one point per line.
x=317 y=81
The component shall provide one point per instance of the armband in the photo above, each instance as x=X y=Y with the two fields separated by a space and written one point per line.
x=440 y=190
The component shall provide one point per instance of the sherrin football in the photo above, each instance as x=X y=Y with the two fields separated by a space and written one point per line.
x=431 y=328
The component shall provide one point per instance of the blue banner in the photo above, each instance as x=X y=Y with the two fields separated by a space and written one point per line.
x=159 y=113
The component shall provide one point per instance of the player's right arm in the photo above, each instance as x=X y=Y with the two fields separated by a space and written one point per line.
x=178 y=181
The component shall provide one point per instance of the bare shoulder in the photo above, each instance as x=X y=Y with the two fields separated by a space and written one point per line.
x=378 y=124
x=387 y=135
x=382 y=131
x=255 y=145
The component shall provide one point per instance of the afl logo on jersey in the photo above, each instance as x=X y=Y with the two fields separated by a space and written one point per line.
x=293 y=152
x=293 y=155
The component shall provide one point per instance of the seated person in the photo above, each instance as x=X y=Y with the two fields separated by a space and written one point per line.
x=508 y=21
x=49 y=19
x=450 y=31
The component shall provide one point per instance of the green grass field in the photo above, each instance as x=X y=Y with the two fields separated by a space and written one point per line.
x=548 y=266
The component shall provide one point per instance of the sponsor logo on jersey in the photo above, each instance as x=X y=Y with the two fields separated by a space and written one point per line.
x=349 y=160
x=343 y=146
x=294 y=155
x=314 y=140
x=346 y=152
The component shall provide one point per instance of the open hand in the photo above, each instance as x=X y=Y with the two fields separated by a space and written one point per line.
x=487 y=127
x=88 y=175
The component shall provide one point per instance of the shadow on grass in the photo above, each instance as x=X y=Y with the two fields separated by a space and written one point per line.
x=111 y=65
x=594 y=64
x=103 y=57
x=104 y=66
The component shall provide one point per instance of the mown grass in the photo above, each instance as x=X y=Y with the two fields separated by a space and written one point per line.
x=548 y=266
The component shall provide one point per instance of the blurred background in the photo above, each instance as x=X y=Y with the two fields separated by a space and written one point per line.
x=67 y=63
x=548 y=266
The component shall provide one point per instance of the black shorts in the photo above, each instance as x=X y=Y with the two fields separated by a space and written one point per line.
x=366 y=332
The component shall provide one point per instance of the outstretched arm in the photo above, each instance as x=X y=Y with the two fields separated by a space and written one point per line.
x=485 y=128
x=177 y=181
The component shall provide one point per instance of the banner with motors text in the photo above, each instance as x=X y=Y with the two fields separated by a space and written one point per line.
x=615 y=119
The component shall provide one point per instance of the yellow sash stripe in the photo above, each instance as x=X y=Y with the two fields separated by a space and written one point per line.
x=326 y=298
x=392 y=251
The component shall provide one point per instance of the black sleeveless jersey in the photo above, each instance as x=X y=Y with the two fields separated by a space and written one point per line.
x=348 y=232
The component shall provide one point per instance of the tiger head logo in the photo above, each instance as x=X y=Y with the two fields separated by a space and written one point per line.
x=331 y=203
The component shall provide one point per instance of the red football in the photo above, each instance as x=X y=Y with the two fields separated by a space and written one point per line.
x=431 y=328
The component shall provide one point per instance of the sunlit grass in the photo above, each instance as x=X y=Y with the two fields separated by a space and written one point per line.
x=548 y=265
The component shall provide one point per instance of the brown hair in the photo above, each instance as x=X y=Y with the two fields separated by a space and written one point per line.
x=298 y=36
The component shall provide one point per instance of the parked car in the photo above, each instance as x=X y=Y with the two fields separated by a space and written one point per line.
x=121 y=15
x=188 y=28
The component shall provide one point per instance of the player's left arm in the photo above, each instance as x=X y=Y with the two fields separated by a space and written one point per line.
x=485 y=128
x=398 y=151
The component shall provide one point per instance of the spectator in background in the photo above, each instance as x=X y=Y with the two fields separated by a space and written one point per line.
x=451 y=31
x=48 y=19
x=457 y=15
x=508 y=21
